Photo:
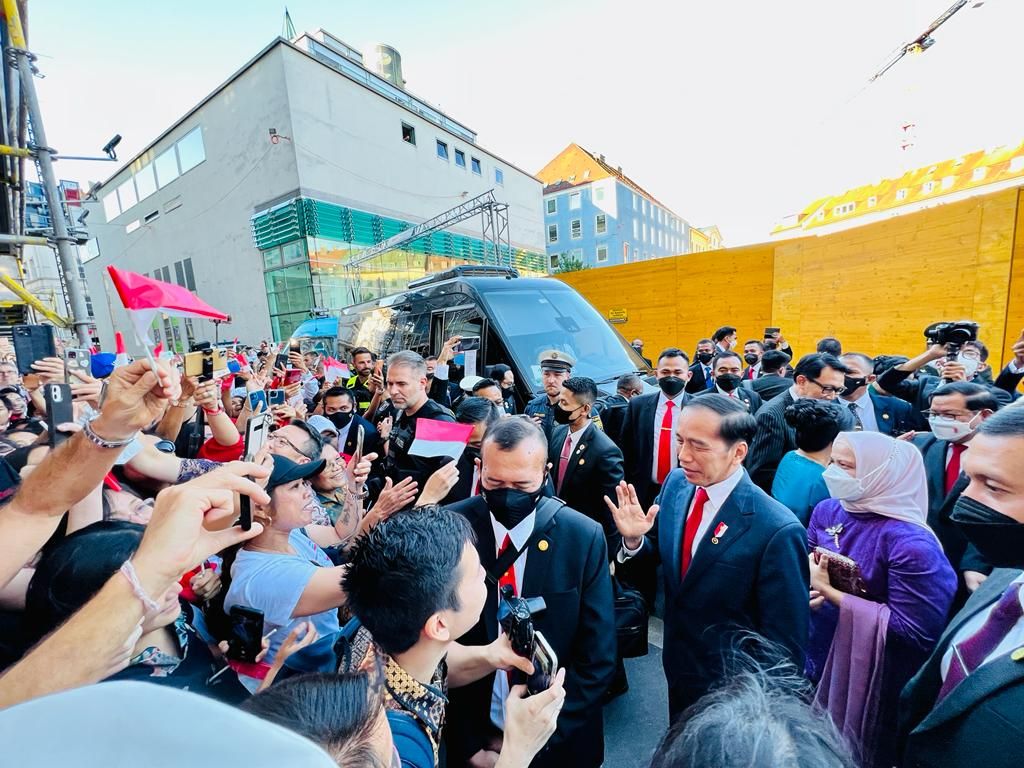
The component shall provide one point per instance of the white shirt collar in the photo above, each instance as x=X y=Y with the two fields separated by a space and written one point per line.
x=793 y=393
x=719 y=493
x=663 y=398
x=519 y=535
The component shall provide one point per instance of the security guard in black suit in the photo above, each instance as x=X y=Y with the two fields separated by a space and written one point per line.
x=555 y=367
x=726 y=370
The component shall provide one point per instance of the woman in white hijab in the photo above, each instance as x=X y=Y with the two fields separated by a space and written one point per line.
x=881 y=587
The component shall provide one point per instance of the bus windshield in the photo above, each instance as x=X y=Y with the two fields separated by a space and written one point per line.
x=535 y=320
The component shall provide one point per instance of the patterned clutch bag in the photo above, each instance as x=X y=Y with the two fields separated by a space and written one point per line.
x=843 y=572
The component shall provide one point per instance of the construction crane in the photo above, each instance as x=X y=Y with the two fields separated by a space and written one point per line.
x=924 y=41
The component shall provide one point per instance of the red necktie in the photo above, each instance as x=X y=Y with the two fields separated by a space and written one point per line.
x=953 y=467
x=509 y=576
x=665 y=462
x=690 y=529
x=563 y=461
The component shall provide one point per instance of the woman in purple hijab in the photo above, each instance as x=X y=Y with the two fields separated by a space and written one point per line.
x=881 y=602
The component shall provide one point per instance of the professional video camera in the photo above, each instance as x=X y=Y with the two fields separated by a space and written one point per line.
x=515 y=614
x=952 y=335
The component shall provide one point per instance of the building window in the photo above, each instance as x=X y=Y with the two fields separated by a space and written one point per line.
x=601 y=224
x=145 y=181
x=190 y=150
x=576 y=229
x=111 y=207
x=474 y=164
x=577 y=254
x=636 y=254
x=552 y=233
x=635 y=198
x=636 y=229
x=599 y=194
x=602 y=254
x=554 y=261
x=442 y=150
x=460 y=158
x=408 y=134
x=574 y=201
x=166 y=165
x=499 y=176
x=979 y=173
x=929 y=186
x=842 y=210
x=552 y=204
x=948 y=182
x=126 y=194
x=625 y=252
x=872 y=201
x=132 y=227
x=901 y=194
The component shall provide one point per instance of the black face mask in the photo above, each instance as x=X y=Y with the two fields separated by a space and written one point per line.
x=852 y=384
x=705 y=357
x=470 y=455
x=728 y=381
x=510 y=506
x=563 y=416
x=999 y=539
x=751 y=359
x=671 y=385
x=341 y=419
x=429 y=375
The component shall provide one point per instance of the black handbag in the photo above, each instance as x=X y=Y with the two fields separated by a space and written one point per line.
x=631 y=621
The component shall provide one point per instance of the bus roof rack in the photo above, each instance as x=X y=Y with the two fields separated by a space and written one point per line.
x=465 y=270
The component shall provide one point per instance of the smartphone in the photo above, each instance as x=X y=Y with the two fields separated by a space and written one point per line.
x=276 y=397
x=292 y=376
x=32 y=343
x=77 y=359
x=468 y=344
x=358 y=455
x=59 y=410
x=206 y=364
x=256 y=399
x=281 y=361
x=257 y=430
x=294 y=345
x=769 y=332
x=545 y=665
x=246 y=639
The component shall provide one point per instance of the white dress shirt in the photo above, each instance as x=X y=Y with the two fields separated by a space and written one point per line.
x=793 y=393
x=519 y=535
x=1014 y=638
x=718 y=494
x=865 y=411
x=659 y=414
x=574 y=438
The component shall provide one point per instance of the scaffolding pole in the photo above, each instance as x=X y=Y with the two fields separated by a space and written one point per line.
x=63 y=240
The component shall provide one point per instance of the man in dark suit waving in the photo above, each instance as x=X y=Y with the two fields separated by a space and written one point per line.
x=733 y=558
x=726 y=371
x=963 y=707
x=586 y=464
x=564 y=561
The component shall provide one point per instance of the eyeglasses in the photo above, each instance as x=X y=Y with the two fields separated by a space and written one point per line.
x=948 y=416
x=282 y=440
x=827 y=390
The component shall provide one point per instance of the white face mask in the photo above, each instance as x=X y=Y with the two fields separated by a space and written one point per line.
x=970 y=364
x=952 y=430
x=841 y=484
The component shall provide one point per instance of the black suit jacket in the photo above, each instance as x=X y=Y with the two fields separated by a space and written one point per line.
x=773 y=439
x=1009 y=381
x=918 y=392
x=697 y=382
x=567 y=565
x=770 y=386
x=894 y=416
x=961 y=553
x=749 y=398
x=371 y=439
x=752 y=576
x=637 y=443
x=979 y=722
x=593 y=471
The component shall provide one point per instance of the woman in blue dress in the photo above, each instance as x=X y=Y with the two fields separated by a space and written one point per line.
x=798 y=482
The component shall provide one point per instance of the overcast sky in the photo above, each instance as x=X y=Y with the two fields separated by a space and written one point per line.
x=735 y=112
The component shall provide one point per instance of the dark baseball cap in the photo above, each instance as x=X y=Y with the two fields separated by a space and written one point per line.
x=286 y=470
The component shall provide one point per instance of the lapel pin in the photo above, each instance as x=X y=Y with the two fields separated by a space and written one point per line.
x=542 y=545
x=1018 y=655
x=885 y=416
x=720 y=530
x=582 y=462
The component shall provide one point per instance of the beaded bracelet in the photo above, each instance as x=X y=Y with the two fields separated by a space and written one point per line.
x=128 y=571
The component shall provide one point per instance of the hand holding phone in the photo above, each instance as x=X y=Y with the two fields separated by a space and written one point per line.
x=59 y=410
x=246 y=640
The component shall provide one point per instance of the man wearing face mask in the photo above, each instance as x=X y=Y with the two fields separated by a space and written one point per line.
x=752 y=353
x=955 y=413
x=872 y=412
x=964 y=367
x=963 y=706
x=725 y=339
x=700 y=372
x=638 y=345
x=555 y=367
x=725 y=369
x=586 y=464
x=562 y=559
x=339 y=406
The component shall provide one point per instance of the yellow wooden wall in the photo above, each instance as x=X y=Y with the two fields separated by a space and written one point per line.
x=875 y=287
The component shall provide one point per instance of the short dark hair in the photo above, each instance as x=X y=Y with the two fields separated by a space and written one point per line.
x=362 y=351
x=774 y=360
x=509 y=433
x=629 y=381
x=584 y=389
x=484 y=384
x=816 y=422
x=404 y=570
x=339 y=392
x=754 y=341
x=813 y=364
x=1009 y=422
x=430 y=358
x=337 y=712
x=313 y=445
x=725 y=356
x=722 y=333
x=704 y=341
x=473 y=410
x=870 y=363
x=830 y=345
x=498 y=371
x=979 y=345
x=673 y=352
x=736 y=422
x=977 y=397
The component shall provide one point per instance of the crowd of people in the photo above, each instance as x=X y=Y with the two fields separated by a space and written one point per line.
x=835 y=543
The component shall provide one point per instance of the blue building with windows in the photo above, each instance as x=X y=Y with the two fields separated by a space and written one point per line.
x=597 y=215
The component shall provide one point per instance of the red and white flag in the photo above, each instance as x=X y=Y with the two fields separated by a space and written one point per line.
x=440 y=438
x=145 y=298
x=335 y=369
x=122 y=355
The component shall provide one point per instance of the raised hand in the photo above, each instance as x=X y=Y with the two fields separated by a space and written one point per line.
x=631 y=520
